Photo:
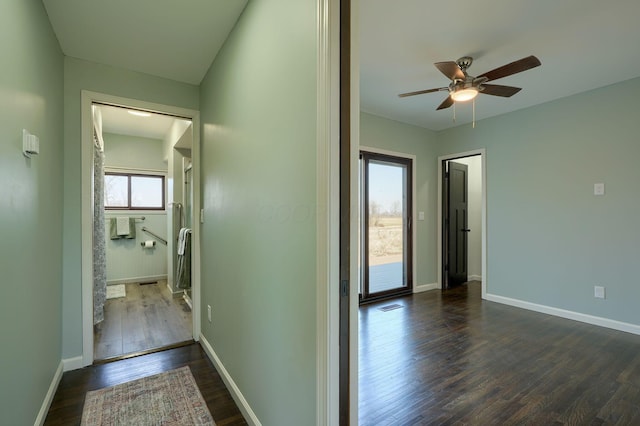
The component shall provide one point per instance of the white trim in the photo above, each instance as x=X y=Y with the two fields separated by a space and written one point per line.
x=44 y=408
x=354 y=298
x=414 y=202
x=474 y=277
x=151 y=172
x=69 y=364
x=86 y=155
x=483 y=157
x=234 y=390
x=426 y=287
x=562 y=313
x=137 y=279
x=328 y=214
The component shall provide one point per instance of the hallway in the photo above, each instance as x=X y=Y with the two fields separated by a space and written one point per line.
x=66 y=408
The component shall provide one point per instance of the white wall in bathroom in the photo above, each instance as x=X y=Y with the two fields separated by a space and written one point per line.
x=127 y=260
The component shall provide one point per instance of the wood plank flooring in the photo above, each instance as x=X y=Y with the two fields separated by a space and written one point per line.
x=451 y=358
x=66 y=408
x=149 y=317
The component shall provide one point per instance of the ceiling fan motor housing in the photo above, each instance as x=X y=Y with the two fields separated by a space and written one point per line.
x=468 y=83
x=464 y=63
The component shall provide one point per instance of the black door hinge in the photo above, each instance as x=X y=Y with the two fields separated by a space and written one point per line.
x=344 y=288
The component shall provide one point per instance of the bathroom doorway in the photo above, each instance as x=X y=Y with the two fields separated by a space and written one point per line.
x=144 y=309
x=146 y=305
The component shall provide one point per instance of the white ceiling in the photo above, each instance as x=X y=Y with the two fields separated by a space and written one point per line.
x=118 y=120
x=177 y=40
x=582 y=44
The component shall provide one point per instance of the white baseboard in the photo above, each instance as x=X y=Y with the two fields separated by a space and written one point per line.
x=576 y=316
x=242 y=403
x=474 y=278
x=426 y=287
x=69 y=364
x=137 y=279
x=44 y=409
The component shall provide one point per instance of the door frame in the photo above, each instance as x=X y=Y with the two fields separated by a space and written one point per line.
x=412 y=207
x=483 y=156
x=86 y=204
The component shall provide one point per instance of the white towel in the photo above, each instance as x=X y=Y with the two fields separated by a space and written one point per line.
x=122 y=225
x=182 y=240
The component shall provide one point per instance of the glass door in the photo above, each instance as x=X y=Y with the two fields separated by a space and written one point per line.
x=385 y=226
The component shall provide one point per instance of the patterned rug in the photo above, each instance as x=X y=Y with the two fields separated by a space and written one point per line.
x=169 y=398
x=116 y=291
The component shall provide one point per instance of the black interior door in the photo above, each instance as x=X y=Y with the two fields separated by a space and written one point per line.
x=455 y=230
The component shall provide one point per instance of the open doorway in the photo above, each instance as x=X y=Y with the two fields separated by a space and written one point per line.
x=462 y=219
x=141 y=244
x=151 y=240
x=386 y=235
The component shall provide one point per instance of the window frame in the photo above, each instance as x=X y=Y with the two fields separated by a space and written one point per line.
x=129 y=175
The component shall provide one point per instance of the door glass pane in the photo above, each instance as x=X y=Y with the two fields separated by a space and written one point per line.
x=386 y=226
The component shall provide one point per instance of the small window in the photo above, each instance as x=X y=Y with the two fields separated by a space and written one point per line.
x=128 y=191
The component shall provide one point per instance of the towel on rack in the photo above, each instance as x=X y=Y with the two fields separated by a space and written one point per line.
x=113 y=229
x=183 y=268
x=122 y=225
x=182 y=240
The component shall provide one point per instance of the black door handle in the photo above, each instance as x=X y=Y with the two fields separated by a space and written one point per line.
x=465 y=230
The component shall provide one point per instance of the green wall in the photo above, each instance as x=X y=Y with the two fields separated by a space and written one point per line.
x=82 y=75
x=258 y=109
x=31 y=83
x=133 y=152
x=382 y=133
x=550 y=240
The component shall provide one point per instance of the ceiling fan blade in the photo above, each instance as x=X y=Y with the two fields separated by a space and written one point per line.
x=420 y=92
x=498 y=90
x=512 y=68
x=445 y=104
x=450 y=69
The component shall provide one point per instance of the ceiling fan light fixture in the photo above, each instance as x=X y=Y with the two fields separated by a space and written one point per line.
x=465 y=94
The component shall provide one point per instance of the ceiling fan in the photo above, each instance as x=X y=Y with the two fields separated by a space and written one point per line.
x=464 y=87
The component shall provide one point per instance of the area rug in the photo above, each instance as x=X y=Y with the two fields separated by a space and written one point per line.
x=116 y=291
x=170 y=398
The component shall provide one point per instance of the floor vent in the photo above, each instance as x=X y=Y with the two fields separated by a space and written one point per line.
x=148 y=282
x=390 y=307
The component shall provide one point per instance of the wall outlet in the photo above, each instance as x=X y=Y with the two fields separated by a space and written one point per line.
x=209 y=312
x=598 y=292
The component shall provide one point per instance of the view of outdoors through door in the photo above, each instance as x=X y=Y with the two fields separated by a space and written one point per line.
x=385 y=225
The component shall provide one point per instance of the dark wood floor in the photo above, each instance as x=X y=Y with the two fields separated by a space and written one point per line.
x=451 y=358
x=66 y=408
x=149 y=317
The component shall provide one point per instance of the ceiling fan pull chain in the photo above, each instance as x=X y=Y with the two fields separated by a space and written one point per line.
x=473 y=125
x=454 y=112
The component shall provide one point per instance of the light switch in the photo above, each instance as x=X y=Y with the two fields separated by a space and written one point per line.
x=420 y=215
x=598 y=189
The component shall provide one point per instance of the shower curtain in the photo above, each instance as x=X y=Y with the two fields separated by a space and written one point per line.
x=99 y=243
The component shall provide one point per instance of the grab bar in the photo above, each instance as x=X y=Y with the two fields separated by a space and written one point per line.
x=162 y=240
x=130 y=217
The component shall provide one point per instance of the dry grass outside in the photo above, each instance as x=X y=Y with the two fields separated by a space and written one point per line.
x=385 y=240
